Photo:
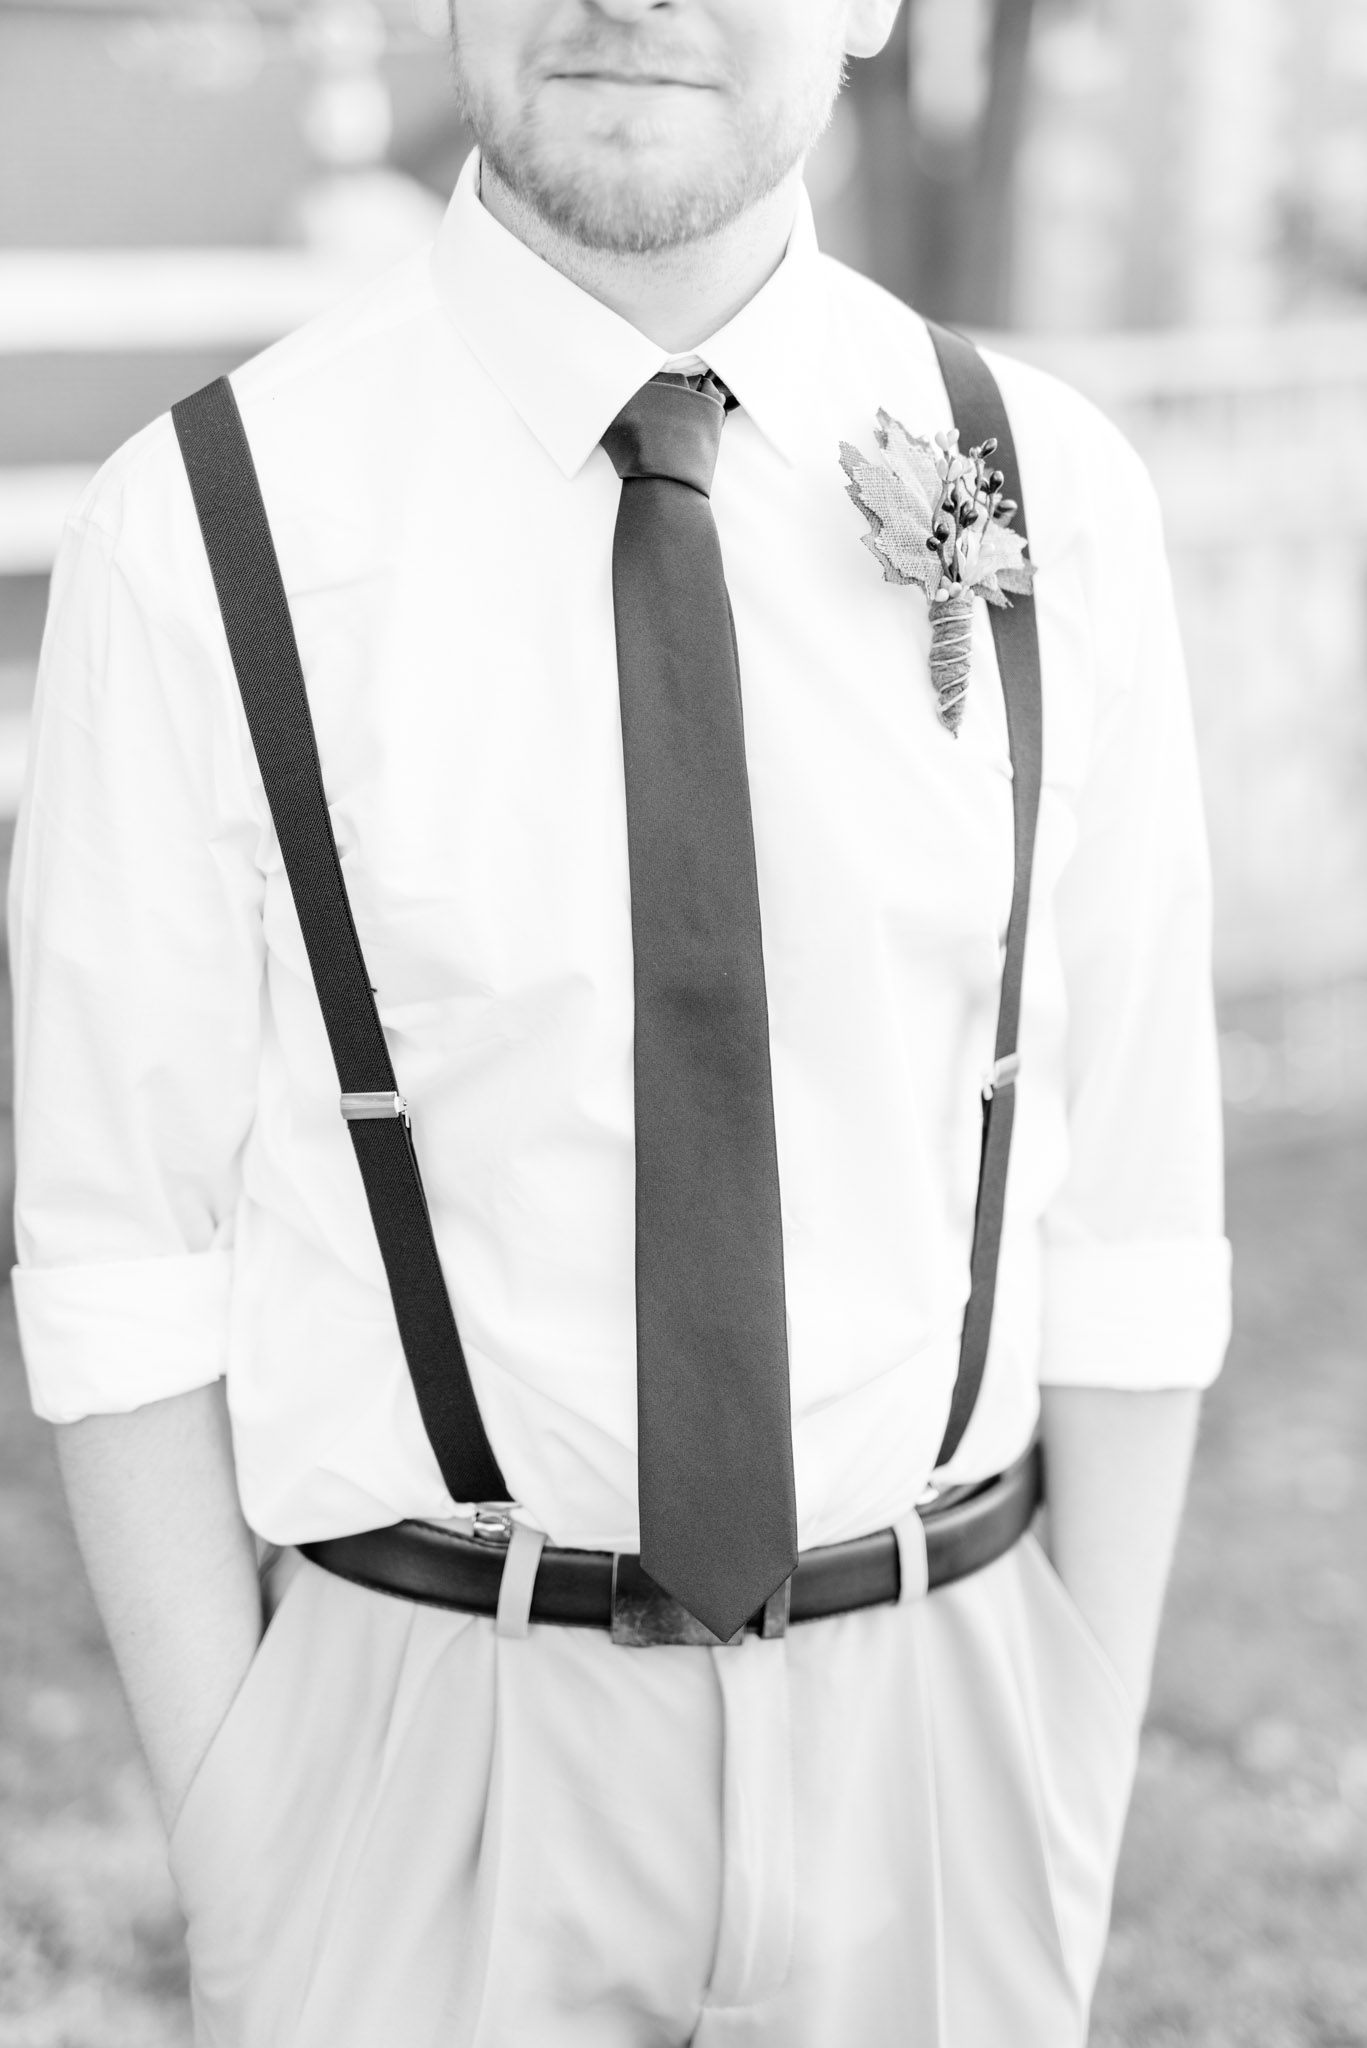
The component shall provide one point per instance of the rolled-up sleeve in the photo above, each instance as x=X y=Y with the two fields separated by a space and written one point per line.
x=137 y=955
x=1137 y=1279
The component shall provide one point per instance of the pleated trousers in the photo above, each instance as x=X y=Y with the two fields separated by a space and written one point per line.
x=892 y=1829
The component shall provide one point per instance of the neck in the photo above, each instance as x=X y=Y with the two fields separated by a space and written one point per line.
x=676 y=297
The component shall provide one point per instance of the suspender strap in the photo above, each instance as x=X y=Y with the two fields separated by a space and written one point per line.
x=980 y=415
x=265 y=655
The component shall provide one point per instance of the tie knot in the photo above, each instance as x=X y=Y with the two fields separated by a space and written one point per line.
x=668 y=429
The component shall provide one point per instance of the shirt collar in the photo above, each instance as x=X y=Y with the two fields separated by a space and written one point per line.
x=567 y=364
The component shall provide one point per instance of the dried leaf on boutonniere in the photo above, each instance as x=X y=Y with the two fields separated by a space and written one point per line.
x=940 y=519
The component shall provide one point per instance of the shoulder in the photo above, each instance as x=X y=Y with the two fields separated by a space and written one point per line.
x=365 y=344
x=337 y=414
x=1072 y=456
x=132 y=647
x=321 y=397
x=1069 y=450
x=336 y=410
x=870 y=331
x=134 y=639
x=133 y=526
x=1104 y=589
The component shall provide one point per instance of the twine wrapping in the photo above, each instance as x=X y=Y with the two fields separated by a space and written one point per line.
x=951 y=656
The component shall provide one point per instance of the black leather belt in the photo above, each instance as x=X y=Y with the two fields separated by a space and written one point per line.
x=966 y=1527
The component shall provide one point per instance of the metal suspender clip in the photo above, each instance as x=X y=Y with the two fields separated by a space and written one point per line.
x=369 y=1108
x=492 y=1522
x=1001 y=1074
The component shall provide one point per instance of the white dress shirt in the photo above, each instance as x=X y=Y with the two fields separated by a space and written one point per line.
x=188 y=1200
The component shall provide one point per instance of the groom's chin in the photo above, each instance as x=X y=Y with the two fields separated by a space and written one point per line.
x=625 y=193
x=651 y=155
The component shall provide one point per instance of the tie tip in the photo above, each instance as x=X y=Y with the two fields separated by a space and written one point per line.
x=721 y=1612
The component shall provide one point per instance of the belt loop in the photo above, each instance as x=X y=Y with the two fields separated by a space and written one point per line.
x=915 y=1562
x=775 y=1612
x=519 y=1576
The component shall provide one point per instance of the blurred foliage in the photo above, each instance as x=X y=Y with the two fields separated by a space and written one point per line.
x=942 y=109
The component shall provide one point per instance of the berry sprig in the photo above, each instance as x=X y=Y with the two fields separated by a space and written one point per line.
x=940 y=518
x=973 y=495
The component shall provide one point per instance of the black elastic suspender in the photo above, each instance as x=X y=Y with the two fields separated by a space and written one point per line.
x=980 y=415
x=251 y=597
x=265 y=655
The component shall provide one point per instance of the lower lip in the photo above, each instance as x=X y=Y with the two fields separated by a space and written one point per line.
x=604 y=82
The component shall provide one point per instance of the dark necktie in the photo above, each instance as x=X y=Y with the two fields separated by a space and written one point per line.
x=718 y=1516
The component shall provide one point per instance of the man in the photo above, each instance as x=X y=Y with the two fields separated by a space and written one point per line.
x=414 y=1824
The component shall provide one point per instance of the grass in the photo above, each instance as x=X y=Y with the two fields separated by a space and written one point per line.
x=1241 y=1916
x=91 y=1949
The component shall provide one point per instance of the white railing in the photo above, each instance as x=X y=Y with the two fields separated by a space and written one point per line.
x=1258 y=445
x=89 y=301
x=34 y=500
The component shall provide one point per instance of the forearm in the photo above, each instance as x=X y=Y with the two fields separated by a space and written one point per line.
x=1116 y=1468
x=172 y=1564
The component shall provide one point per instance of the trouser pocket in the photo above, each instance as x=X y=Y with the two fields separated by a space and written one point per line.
x=222 y=1832
x=311 y=1854
x=1085 y=1738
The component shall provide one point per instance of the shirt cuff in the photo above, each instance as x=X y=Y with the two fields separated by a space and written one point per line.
x=103 y=1339
x=1140 y=1317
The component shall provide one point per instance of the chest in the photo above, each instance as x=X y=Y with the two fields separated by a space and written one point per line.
x=461 y=661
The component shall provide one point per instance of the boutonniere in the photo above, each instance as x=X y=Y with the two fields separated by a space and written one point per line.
x=938 y=518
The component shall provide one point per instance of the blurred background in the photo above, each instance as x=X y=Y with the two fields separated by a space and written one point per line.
x=1166 y=202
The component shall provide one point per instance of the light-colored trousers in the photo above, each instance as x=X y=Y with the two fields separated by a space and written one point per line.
x=893 y=1829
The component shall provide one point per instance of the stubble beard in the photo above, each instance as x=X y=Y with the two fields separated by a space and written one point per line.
x=605 y=203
